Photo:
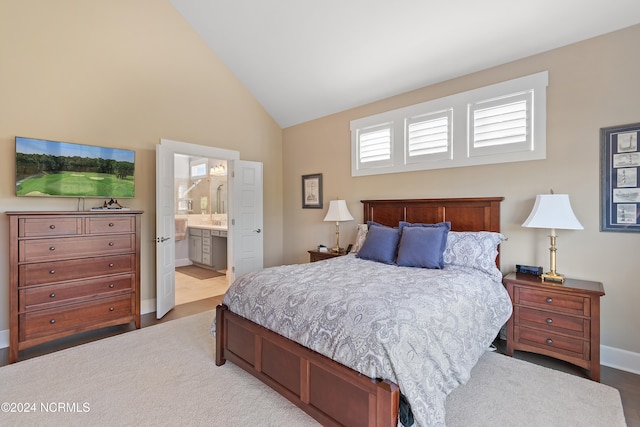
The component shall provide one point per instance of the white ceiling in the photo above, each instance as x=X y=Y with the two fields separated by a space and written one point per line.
x=305 y=59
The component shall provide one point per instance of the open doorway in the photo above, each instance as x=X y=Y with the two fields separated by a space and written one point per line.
x=201 y=200
x=244 y=237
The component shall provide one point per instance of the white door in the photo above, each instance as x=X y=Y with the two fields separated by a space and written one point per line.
x=165 y=232
x=245 y=217
x=250 y=194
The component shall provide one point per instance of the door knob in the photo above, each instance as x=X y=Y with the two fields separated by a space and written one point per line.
x=258 y=231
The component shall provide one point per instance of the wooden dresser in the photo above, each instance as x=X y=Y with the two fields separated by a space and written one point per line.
x=557 y=320
x=71 y=272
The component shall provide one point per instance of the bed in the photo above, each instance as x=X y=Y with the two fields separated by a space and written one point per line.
x=377 y=328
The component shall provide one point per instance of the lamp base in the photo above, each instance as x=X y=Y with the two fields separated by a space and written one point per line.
x=336 y=249
x=552 y=276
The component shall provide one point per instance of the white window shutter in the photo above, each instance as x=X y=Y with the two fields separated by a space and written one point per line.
x=501 y=125
x=374 y=145
x=428 y=137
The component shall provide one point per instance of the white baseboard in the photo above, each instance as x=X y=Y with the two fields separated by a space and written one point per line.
x=620 y=359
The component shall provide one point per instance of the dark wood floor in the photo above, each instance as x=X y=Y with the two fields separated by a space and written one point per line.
x=627 y=383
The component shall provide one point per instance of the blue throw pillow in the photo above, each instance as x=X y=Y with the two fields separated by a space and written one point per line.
x=423 y=245
x=381 y=244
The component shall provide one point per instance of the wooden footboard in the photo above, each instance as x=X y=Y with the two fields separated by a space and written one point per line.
x=326 y=390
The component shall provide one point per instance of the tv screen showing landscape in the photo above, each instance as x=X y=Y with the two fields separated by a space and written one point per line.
x=63 y=169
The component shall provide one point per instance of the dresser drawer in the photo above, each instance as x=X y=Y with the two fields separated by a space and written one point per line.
x=62 y=271
x=553 y=322
x=549 y=300
x=49 y=226
x=549 y=343
x=39 y=297
x=51 y=249
x=110 y=224
x=75 y=316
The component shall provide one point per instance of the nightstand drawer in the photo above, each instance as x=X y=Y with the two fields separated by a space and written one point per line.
x=549 y=300
x=553 y=322
x=551 y=343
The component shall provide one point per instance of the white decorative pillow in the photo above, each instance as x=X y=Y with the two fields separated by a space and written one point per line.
x=360 y=238
x=477 y=250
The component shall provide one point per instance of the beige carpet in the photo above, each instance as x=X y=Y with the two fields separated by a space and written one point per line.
x=165 y=375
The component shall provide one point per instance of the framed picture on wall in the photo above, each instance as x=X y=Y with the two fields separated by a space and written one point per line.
x=619 y=189
x=312 y=191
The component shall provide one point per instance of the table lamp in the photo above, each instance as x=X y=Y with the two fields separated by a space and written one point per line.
x=553 y=211
x=338 y=212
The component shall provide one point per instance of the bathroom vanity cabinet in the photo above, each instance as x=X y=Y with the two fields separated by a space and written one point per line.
x=208 y=247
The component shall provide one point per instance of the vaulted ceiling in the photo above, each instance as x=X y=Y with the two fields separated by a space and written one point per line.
x=306 y=59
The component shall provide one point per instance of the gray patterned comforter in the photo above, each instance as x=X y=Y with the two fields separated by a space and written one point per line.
x=422 y=329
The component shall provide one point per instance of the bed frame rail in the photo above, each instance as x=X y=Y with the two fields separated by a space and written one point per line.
x=326 y=390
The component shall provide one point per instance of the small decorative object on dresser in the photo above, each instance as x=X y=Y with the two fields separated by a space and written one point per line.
x=560 y=321
x=316 y=255
x=71 y=272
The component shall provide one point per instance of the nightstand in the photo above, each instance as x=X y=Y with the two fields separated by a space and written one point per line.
x=319 y=256
x=557 y=320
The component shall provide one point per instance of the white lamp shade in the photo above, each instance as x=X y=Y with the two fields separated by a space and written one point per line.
x=338 y=211
x=553 y=211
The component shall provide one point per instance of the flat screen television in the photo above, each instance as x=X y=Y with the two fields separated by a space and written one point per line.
x=62 y=169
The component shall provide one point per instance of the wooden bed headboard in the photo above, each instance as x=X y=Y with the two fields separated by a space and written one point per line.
x=465 y=214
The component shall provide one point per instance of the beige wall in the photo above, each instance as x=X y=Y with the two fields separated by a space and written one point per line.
x=123 y=74
x=592 y=84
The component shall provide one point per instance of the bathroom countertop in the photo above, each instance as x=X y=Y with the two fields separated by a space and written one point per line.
x=209 y=227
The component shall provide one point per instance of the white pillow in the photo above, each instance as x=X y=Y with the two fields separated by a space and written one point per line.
x=475 y=249
x=360 y=238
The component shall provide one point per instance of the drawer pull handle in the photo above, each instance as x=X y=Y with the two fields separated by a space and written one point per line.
x=110 y=243
x=52 y=248
x=52 y=321
x=52 y=272
x=549 y=341
x=549 y=321
x=111 y=285
x=549 y=300
x=52 y=295
x=111 y=308
x=53 y=227
x=110 y=264
x=111 y=224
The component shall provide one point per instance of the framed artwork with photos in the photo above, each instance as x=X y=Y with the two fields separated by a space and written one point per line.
x=312 y=191
x=619 y=189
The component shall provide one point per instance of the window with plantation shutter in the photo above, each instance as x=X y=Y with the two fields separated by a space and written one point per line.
x=500 y=123
x=428 y=137
x=375 y=145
